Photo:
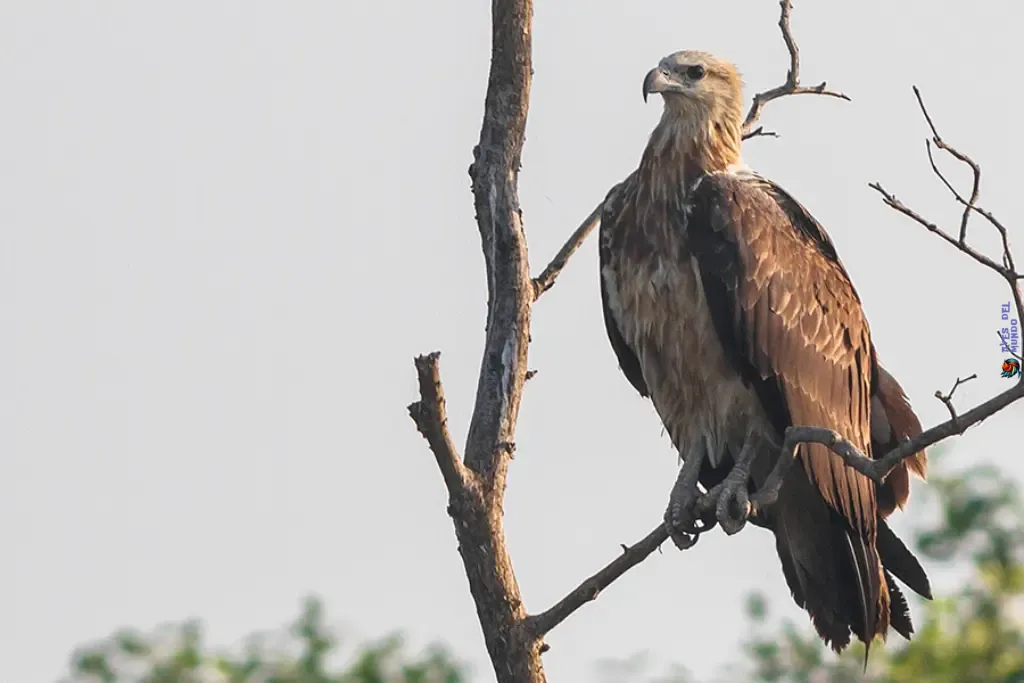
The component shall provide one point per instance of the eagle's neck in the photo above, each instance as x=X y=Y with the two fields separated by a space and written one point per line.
x=683 y=148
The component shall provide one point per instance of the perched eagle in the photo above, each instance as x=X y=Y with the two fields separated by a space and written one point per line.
x=726 y=304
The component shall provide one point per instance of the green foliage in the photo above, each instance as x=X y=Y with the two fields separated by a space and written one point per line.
x=307 y=656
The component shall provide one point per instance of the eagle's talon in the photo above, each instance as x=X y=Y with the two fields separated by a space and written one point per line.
x=682 y=540
x=683 y=535
x=685 y=519
x=733 y=510
x=733 y=507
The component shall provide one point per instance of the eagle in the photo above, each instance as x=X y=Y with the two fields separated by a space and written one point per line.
x=727 y=305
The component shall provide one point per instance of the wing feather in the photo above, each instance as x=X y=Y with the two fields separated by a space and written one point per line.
x=780 y=295
x=628 y=361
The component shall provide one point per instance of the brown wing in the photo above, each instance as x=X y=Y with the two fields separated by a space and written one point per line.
x=791 y=319
x=607 y=252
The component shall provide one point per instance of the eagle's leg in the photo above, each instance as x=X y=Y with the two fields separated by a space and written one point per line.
x=681 y=515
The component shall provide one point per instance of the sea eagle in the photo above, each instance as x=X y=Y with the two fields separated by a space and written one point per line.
x=727 y=305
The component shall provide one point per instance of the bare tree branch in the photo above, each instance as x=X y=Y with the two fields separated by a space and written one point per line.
x=540 y=624
x=891 y=201
x=947 y=399
x=1006 y=267
x=546 y=279
x=476 y=489
x=431 y=420
x=790 y=87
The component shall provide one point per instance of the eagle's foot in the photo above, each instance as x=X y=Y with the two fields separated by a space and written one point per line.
x=733 y=504
x=680 y=518
x=683 y=513
x=729 y=500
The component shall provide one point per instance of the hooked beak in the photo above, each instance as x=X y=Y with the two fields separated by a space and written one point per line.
x=659 y=80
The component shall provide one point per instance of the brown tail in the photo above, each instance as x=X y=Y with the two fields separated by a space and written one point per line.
x=846 y=585
x=831 y=571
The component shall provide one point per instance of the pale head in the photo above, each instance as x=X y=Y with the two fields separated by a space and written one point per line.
x=698 y=85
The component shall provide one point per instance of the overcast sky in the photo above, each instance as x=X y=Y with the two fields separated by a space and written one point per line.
x=228 y=227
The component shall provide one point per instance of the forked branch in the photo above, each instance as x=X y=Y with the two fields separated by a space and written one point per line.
x=1005 y=267
x=790 y=87
x=476 y=485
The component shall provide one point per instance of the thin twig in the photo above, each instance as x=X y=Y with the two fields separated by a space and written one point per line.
x=975 y=168
x=546 y=279
x=790 y=87
x=947 y=399
x=1006 y=268
x=892 y=202
x=1006 y=345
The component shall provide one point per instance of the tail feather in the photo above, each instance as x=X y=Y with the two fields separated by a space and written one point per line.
x=873 y=601
x=832 y=572
x=898 y=559
x=899 y=611
x=856 y=592
x=846 y=582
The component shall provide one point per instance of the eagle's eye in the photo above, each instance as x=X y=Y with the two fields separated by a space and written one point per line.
x=696 y=72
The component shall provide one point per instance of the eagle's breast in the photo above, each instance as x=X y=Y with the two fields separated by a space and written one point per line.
x=657 y=299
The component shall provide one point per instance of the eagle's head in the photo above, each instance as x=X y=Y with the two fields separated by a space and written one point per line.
x=698 y=86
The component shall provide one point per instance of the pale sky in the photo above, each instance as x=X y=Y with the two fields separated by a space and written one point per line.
x=228 y=227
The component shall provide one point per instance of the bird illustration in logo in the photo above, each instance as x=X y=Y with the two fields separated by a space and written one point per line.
x=1011 y=367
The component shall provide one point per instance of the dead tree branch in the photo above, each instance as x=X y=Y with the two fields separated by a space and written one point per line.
x=1006 y=267
x=546 y=279
x=790 y=87
x=947 y=399
x=476 y=487
x=540 y=624
x=431 y=420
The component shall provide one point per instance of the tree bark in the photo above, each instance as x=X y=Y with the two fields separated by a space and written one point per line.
x=476 y=490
